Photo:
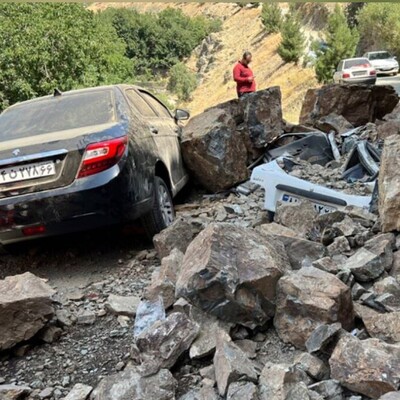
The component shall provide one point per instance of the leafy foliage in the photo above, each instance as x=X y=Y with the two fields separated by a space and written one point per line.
x=293 y=41
x=341 y=42
x=379 y=26
x=155 y=42
x=182 y=81
x=271 y=17
x=55 y=45
x=352 y=11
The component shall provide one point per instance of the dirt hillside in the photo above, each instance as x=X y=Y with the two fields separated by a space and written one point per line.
x=242 y=30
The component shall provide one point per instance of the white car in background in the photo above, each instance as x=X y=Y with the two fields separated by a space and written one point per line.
x=383 y=62
x=355 y=70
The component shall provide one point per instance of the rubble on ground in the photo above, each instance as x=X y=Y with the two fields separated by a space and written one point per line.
x=236 y=303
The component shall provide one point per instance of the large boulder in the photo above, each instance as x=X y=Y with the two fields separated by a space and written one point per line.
x=232 y=272
x=25 y=307
x=389 y=185
x=262 y=115
x=358 y=104
x=131 y=385
x=308 y=298
x=214 y=150
x=218 y=144
x=369 y=367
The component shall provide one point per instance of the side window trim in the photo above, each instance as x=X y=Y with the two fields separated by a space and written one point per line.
x=133 y=104
x=155 y=99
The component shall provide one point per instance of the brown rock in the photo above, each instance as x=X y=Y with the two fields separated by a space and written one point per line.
x=161 y=345
x=14 y=392
x=25 y=307
x=358 y=104
x=276 y=229
x=369 y=367
x=131 y=385
x=389 y=185
x=297 y=216
x=231 y=365
x=122 y=305
x=313 y=366
x=231 y=272
x=308 y=298
x=335 y=123
x=176 y=236
x=163 y=283
x=79 y=392
x=242 y=391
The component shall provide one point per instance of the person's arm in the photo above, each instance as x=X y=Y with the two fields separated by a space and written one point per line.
x=237 y=77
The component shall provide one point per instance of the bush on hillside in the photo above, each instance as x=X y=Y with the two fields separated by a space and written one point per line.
x=182 y=81
x=60 y=45
x=293 y=41
x=341 y=42
x=155 y=42
x=271 y=17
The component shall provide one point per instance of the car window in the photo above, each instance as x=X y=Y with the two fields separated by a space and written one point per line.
x=340 y=66
x=161 y=110
x=359 y=62
x=383 y=55
x=58 y=113
x=140 y=104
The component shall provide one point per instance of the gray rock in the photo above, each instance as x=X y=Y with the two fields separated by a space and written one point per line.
x=86 y=317
x=308 y=298
x=161 y=345
x=176 y=236
x=365 y=265
x=390 y=396
x=323 y=337
x=122 y=305
x=369 y=367
x=231 y=365
x=329 y=389
x=231 y=272
x=131 y=385
x=313 y=366
x=326 y=264
x=26 y=306
x=242 y=391
x=79 y=392
x=46 y=393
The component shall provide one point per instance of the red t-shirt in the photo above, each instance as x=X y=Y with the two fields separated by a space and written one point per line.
x=241 y=75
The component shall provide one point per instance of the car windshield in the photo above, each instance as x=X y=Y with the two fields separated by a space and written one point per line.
x=58 y=113
x=357 y=62
x=382 y=55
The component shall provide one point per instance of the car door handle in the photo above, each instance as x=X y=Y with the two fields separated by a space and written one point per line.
x=153 y=130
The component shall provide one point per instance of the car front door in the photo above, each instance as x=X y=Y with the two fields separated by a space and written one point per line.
x=168 y=136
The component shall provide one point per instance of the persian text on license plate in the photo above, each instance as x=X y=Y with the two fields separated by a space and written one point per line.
x=320 y=208
x=27 y=171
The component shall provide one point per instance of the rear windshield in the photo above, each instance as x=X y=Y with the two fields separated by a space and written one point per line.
x=383 y=55
x=360 y=62
x=57 y=113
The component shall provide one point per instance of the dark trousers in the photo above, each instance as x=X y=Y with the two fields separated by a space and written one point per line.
x=240 y=95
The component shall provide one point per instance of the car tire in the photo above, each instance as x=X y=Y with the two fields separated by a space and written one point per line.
x=162 y=212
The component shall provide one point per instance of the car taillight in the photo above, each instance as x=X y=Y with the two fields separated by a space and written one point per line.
x=102 y=155
x=373 y=72
x=34 y=230
x=346 y=75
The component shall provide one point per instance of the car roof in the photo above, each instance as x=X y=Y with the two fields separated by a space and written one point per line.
x=77 y=91
x=378 y=51
x=355 y=58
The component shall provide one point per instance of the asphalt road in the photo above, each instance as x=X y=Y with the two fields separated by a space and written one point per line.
x=390 y=80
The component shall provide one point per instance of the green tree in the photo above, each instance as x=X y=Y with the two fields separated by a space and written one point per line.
x=292 y=45
x=271 y=17
x=352 y=11
x=341 y=42
x=379 y=26
x=55 y=45
x=155 y=42
x=182 y=81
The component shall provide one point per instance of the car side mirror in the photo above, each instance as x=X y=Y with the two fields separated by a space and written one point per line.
x=181 y=115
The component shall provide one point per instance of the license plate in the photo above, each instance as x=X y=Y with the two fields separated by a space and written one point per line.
x=320 y=208
x=360 y=73
x=27 y=171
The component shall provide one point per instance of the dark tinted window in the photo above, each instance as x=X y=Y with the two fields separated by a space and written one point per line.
x=382 y=55
x=57 y=113
x=161 y=110
x=140 y=104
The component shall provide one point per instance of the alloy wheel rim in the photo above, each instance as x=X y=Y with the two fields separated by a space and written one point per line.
x=165 y=204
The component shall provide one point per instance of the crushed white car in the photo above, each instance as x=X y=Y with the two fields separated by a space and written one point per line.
x=282 y=187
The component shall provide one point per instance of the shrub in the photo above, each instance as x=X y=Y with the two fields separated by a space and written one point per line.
x=271 y=17
x=182 y=81
x=292 y=45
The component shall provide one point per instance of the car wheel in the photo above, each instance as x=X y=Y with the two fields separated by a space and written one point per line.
x=162 y=213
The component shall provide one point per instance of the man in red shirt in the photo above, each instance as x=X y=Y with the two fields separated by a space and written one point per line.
x=243 y=76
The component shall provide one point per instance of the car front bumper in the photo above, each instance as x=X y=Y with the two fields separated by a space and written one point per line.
x=88 y=203
x=382 y=71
